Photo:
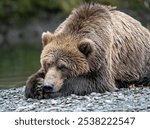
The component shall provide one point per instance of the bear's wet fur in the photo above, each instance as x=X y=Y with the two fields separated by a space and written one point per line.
x=105 y=49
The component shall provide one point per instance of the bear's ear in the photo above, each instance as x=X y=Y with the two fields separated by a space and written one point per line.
x=86 y=46
x=46 y=38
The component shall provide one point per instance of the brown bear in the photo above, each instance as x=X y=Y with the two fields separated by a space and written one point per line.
x=96 y=49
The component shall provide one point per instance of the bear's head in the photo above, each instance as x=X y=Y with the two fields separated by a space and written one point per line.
x=64 y=57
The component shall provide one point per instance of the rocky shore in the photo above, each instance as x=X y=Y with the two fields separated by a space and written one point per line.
x=125 y=100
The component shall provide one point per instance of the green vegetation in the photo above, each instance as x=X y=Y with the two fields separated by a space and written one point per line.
x=16 y=11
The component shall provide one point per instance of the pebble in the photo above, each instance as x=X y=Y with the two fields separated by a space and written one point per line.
x=120 y=97
x=87 y=98
x=96 y=98
x=43 y=101
x=74 y=96
x=93 y=93
x=108 y=101
x=53 y=102
x=30 y=100
x=137 y=100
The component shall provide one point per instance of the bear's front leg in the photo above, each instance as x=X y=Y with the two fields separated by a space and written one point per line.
x=86 y=84
x=34 y=85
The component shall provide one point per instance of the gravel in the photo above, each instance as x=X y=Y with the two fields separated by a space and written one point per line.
x=124 y=100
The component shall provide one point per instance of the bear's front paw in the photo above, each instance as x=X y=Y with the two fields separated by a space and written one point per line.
x=38 y=91
x=34 y=88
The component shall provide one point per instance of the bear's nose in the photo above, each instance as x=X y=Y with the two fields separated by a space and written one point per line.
x=48 y=87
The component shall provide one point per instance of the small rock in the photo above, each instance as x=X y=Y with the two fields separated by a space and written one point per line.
x=108 y=101
x=43 y=101
x=120 y=97
x=53 y=102
x=93 y=93
x=96 y=98
x=84 y=98
x=74 y=96
x=29 y=100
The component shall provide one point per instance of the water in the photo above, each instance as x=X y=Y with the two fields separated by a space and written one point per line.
x=14 y=79
x=17 y=63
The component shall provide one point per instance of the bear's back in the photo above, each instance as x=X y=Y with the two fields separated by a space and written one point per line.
x=84 y=16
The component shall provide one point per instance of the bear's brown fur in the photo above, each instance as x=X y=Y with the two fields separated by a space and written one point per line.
x=96 y=49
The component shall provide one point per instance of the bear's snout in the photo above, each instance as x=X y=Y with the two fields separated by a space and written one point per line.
x=53 y=80
x=48 y=87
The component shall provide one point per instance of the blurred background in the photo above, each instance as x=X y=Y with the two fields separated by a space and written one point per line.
x=23 y=21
